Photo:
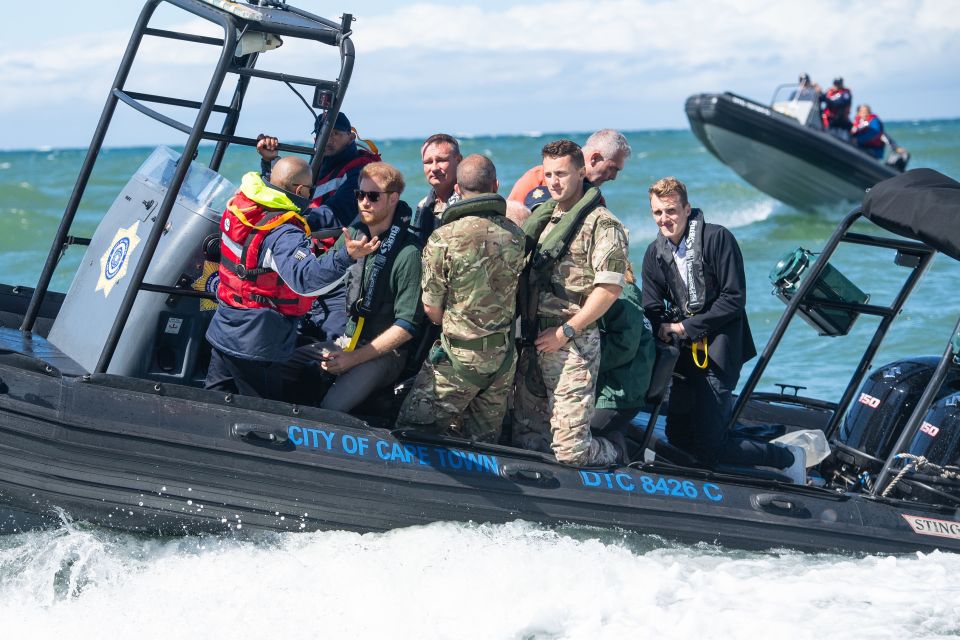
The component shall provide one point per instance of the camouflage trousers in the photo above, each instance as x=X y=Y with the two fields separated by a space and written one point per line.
x=441 y=401
x=560 y=419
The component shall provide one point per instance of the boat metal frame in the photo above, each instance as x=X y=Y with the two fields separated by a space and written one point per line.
x=914 y=255
x=274 y=18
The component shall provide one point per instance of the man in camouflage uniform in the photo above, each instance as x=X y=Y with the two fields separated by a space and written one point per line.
x=471 y=267
x=577 y=273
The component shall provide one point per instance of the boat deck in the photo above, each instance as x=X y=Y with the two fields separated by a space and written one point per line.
x=38 y=347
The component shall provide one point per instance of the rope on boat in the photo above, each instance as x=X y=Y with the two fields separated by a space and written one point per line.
x=919 y=463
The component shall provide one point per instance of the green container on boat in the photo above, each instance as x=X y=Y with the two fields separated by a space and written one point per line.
x=832 y=286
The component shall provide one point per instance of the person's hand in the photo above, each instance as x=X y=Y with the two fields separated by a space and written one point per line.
x=550 y=340
x=339 y=362
x=360 y=247
x=668 y=328
x=267 y=146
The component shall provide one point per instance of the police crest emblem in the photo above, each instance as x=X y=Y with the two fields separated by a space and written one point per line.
x=116 y=259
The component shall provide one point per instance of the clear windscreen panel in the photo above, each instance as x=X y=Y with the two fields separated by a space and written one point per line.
x=204 y=191
x=800 y=102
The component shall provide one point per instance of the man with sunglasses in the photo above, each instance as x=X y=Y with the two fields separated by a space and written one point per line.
x=268 y=279
x=382 y=295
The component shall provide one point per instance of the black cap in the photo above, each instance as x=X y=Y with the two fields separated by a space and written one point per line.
x=838 y=81
x=342 y=123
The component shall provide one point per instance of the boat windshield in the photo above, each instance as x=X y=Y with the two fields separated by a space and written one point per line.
x=800 y=102
x=202 y=188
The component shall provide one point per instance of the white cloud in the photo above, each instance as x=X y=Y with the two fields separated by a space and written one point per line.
x=585 y=60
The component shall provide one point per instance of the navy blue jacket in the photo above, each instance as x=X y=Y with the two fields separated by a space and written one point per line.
x=265 y=334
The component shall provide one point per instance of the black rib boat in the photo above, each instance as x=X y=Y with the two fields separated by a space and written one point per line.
x=783 y=150
x=102 y=418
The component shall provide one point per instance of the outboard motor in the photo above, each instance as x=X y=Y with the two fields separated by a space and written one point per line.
x=938 y=441
x=881 y=409
x=163 y=338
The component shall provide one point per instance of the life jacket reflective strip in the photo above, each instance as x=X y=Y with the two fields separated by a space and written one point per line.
x=329 y=183
x=244 y=282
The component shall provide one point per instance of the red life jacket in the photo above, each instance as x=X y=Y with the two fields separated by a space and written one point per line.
x=243 y=283
x=328 y=184
x=873 y=142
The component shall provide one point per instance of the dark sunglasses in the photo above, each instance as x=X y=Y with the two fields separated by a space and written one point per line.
x=372 y=196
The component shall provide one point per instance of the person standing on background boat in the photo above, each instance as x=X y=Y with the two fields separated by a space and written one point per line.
x=382 y=299
x=604 y=155
x=576 y=274
x=836 y=110
x=268 y=278
x=867 y=132
x=694 y=292
x=441 y=157
x=471 y=266
x=807 y=89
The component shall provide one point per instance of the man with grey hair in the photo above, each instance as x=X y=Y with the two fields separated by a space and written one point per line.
x=604 y=155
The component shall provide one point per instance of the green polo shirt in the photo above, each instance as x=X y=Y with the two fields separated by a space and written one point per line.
x=401 y=303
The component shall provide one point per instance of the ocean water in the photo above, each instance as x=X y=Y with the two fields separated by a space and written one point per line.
x=516 y=580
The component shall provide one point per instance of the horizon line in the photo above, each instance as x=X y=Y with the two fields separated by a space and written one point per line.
x=459 y=136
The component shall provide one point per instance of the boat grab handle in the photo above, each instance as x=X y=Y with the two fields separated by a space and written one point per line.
x=260 y=434
x=530 y=474
x=778 y=503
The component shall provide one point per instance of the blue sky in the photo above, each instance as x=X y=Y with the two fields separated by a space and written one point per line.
x=495 y=67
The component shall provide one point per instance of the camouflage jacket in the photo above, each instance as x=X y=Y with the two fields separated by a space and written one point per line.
x=471 y=267
x=597 y=255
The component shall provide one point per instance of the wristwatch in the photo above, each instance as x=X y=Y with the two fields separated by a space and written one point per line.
x=568 y=331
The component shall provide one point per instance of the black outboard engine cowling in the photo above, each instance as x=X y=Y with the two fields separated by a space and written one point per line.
x=937 y=440
x=881 y=409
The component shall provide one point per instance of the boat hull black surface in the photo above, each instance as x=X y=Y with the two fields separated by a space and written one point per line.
x=795 y=164
x=145 y=457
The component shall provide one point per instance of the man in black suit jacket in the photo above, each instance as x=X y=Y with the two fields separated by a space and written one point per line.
x=694 y=288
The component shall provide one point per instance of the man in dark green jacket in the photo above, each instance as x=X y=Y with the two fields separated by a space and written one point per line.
x=626 y=360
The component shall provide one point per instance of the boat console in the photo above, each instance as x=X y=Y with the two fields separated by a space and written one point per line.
x=168 y=339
